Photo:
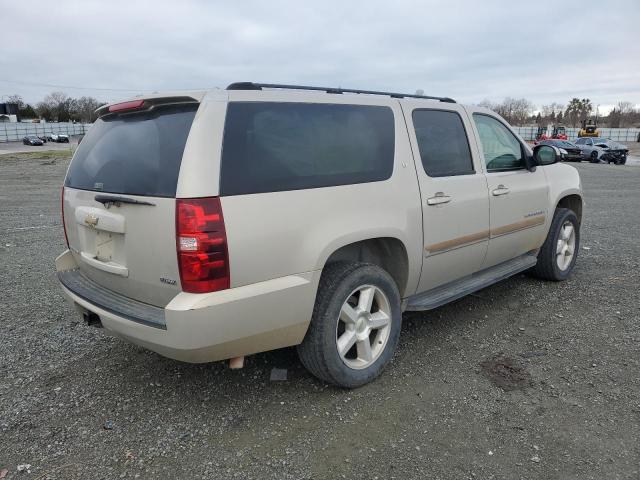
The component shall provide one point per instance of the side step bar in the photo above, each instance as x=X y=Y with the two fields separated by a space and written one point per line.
x=438 y=296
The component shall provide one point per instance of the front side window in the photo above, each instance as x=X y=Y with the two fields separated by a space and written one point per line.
x=443 y=144
x=275 y=146
x=502 y=150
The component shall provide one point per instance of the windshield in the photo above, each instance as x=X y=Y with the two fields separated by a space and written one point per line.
x=133 y=153
x=563 y=143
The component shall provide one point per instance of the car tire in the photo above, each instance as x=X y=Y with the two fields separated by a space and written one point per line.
x=593 y=157
x=559 y=251
x=335 y=346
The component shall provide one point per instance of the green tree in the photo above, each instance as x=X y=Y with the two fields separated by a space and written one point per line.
x=577 y=110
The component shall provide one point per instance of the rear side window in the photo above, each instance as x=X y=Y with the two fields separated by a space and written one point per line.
x=443 y=144
x=502 y=150
x=271 y=147
x=133 y=153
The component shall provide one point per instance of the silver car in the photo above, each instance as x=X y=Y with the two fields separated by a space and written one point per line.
x=603 y=149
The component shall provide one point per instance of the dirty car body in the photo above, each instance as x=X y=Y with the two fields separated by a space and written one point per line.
x=217 y=224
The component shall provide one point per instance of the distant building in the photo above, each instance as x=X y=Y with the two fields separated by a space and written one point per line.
x=8 y=112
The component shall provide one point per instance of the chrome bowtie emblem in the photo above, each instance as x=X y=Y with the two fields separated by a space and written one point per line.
x=91 y=220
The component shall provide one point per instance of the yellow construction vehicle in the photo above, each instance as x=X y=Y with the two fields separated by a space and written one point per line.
x=589 y=129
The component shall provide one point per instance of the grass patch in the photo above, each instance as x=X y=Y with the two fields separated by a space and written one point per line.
x=40 y=155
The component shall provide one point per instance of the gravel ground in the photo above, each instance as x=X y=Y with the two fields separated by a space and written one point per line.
x=525 y=379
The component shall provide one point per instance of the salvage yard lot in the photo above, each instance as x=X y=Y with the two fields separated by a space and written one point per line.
x=525 y=379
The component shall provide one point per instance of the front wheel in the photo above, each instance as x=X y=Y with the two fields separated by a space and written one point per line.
x=593 y=158
x=355 y=325
x=559 y=252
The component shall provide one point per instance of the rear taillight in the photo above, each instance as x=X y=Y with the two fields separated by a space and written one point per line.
x=201 y=242
x=64 y=225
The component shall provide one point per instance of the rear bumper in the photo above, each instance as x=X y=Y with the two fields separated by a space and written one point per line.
x=203 y=327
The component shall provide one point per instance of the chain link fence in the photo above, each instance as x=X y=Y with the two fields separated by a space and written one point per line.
x=11 y=132
x=616 y=134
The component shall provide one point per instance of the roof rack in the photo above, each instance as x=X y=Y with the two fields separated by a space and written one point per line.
x=260 y=86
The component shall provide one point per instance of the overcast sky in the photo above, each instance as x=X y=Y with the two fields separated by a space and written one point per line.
x=468 y=50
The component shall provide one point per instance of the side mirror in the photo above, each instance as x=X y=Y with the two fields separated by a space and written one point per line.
x=546 y=154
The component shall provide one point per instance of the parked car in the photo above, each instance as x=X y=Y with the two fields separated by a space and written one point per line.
x=32 y=140
x=603 y=149
x=58 y=137
x=258 y=217
x=570 y=151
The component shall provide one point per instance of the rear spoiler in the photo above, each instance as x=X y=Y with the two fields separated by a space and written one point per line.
x=142 y=104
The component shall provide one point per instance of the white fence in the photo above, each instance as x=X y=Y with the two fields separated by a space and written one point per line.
x=617 y=134
x=10 y=132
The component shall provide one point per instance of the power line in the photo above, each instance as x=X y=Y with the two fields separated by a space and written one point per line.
x=34 y=84
x=137 y=90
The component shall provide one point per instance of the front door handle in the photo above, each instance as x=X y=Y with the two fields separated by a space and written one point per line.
x=500 y=190
x=438 y=199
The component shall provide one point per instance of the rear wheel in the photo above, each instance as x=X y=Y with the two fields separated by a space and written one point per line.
x=355 y=325
x=559 y=252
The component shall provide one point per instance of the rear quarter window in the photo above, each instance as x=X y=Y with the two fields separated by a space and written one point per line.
x=270 y=147
x=442 y=141
x=133 y=153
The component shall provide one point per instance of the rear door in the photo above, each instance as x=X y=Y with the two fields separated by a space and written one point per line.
x=455 y=203
x=119 y=200
x=518 y=197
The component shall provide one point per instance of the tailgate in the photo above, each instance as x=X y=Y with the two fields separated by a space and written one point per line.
x=119 y=200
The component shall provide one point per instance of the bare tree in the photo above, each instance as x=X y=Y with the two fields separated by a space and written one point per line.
x=551 y=112
x=17 y=99
x=85 y=108
x=516 y=111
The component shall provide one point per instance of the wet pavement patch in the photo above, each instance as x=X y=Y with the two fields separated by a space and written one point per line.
x=505 y=372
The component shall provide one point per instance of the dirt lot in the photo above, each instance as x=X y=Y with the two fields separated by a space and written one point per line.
x=525 y=379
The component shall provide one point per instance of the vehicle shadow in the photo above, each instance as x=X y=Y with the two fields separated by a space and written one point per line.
x=421 y=331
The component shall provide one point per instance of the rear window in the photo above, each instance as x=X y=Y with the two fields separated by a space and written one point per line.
x=133 y=153
x=270 y=147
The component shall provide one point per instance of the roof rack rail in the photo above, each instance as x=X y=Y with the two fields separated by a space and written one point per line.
x=260 y=86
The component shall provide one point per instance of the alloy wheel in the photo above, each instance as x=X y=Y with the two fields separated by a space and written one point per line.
x=565 y=248
x=363 y=327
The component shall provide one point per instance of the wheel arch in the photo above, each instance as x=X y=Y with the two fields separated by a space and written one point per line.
x=572 y=201
x=388 y=252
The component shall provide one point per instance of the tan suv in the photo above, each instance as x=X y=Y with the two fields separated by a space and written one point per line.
x=219 y=224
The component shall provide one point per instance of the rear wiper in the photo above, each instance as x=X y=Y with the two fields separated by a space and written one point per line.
x=108 y=200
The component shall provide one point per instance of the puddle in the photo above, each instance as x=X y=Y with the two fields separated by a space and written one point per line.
x=506 y=373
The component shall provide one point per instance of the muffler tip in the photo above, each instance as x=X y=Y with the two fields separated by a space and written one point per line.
x=92 y=320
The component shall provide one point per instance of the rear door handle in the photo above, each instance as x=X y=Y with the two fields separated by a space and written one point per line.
x=438 y=199
x=500 y=190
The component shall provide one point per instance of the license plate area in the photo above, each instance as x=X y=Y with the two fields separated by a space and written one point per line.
x=104 y=246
